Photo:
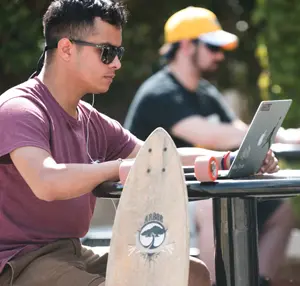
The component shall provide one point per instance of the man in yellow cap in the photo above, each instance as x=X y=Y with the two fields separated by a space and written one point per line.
x=194 y=43
x=194 y=23
x=194 y=112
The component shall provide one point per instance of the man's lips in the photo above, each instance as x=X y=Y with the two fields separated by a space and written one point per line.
x=110 y=76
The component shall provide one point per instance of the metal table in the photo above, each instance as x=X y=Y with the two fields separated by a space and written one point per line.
x=235 y=221
x=289 y=152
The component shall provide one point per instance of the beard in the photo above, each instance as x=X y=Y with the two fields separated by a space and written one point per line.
x=212 y=68
x=207 y=70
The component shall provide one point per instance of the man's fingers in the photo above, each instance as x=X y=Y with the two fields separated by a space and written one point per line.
x=270 y=155
x=272 y=167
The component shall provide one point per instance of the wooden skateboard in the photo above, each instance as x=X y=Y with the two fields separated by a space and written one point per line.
x=150 y=239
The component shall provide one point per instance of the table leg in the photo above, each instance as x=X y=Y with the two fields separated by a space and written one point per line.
x=235 y=228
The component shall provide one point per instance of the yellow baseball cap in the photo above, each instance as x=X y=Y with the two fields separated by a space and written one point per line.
x=197 y=23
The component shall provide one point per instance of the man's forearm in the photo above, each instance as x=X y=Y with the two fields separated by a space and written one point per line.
x=218 y=136
x=189 y=154
x=288 y=136
x=226 y=137
x=67 y=181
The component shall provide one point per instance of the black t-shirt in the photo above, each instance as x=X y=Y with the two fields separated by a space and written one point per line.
x=162 y=101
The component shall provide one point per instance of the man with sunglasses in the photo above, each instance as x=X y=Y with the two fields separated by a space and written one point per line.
x=55 y=149
x=194 y=43
x=195 y=114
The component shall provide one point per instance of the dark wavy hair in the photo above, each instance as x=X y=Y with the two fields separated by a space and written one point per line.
x=75 y=19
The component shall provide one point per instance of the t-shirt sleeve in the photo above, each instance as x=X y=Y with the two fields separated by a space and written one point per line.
x=165 y=110
x=22 y=123
x=120 y=142
x=227 y=114
x=225 y=111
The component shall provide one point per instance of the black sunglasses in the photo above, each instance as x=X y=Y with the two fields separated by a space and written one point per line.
x=108 y=52
x=213 y=49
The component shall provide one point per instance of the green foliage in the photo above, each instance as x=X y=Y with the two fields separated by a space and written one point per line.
x=21 y=33
x=278 y=51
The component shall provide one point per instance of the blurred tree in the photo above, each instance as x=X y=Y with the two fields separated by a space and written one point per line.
x=241 y=69
x=278 y=51
x=20 y=40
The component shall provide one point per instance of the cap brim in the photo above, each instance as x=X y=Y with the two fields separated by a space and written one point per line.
x=220 y=38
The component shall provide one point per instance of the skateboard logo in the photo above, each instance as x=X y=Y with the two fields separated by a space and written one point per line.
x=151 y=238
x=153 y=233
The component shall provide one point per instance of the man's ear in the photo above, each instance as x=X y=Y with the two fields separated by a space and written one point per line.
x=65 y=49
x=187 y=47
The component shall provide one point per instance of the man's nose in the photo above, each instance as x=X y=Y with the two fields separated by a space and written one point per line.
x=220 y=56
x=116 y=63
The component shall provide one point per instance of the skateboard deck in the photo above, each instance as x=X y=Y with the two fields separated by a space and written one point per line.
x=150 y=239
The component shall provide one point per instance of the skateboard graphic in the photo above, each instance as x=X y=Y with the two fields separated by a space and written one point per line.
x=150 y=238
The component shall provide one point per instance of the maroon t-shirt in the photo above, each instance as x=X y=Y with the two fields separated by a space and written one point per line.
x=30 y=116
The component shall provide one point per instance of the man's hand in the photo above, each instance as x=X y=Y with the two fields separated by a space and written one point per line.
x=270 y=164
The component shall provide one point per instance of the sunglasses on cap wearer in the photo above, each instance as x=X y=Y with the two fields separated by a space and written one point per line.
x=107 y=52
x=212 y=48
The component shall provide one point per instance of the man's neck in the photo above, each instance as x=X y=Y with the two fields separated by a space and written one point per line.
x=62 y=88
x=188 y=78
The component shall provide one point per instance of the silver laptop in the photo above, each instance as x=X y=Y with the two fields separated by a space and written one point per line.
x=259 y=138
